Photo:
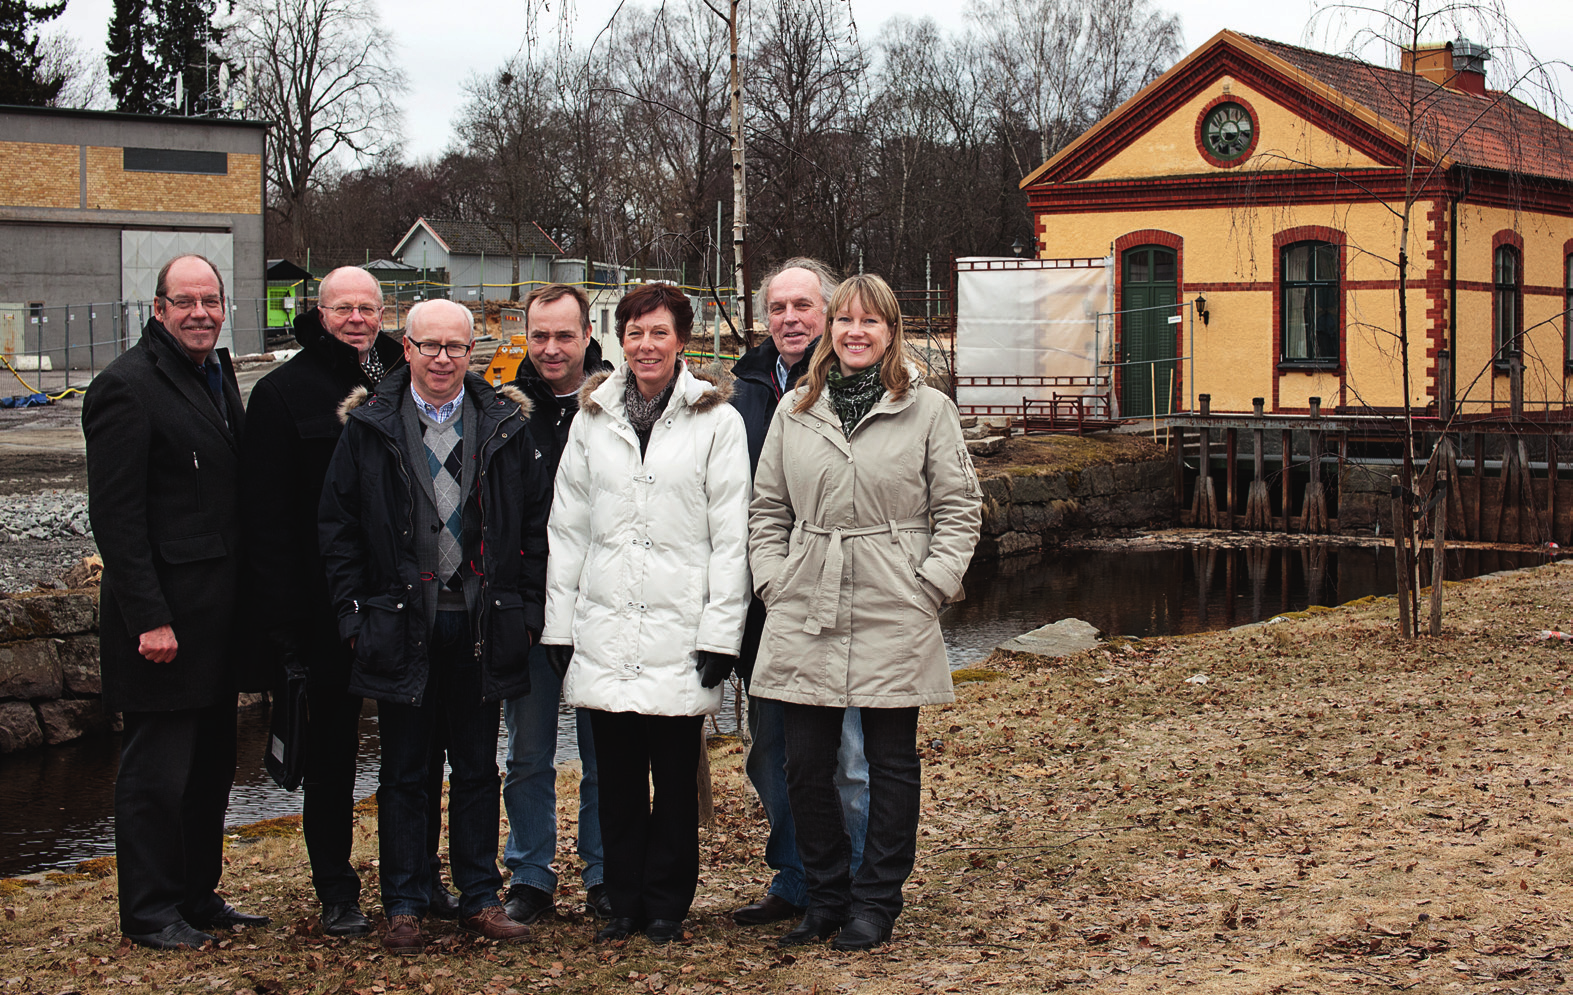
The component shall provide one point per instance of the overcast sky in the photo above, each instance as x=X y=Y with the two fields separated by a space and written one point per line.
x=440 y=45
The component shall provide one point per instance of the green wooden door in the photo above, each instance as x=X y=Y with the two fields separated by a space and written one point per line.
x=1148 y=292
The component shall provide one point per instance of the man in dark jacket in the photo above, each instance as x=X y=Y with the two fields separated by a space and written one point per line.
x=433 y=534
x=562 y=354
x=793 y=298
x=163 y=426
x=292 y=426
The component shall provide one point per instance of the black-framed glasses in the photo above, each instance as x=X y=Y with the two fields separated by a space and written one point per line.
x=431 y=350
x=191 y=303
x=367 y=311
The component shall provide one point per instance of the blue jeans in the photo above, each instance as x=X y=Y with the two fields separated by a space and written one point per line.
x=766 y=768
x=451 y=712
x=529 y=792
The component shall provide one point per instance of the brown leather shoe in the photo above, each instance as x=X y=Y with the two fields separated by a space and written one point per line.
x=493 y=923
x=404 y=936
x=771 y=908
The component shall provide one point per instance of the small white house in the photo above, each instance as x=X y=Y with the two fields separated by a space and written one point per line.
x=477 y=257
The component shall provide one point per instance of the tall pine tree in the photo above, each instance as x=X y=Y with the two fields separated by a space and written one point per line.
x=151 y=43
x=21 y=65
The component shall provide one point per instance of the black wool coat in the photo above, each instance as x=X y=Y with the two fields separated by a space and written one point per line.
x=292 y=427
x=163 y=474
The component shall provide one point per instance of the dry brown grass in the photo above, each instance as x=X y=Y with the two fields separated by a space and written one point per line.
x=1334 y=809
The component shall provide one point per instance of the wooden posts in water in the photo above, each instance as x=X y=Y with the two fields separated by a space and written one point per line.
x=1204 y=505
x=1258 y=514
x=1315 y=519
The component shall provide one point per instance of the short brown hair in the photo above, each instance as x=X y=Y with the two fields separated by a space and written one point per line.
x=648 y=297
x=554 y=292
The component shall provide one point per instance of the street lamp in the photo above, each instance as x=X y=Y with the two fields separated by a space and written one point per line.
x=1018 y=247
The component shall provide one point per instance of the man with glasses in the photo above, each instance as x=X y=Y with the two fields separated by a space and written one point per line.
x=163 y=426
x=292 y=426
x=562 y=354
x=433 y=536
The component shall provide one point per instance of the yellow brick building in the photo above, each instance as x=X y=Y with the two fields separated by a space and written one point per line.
x=1266 y=186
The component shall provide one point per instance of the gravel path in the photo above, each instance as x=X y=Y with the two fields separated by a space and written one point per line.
x=42 y=535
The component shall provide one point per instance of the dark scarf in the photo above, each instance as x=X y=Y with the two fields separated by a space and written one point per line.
x=372 y=367
x=642 y=413
x=853 y=396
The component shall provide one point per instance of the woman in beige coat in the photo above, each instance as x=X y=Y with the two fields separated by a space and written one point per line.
x=859 y=461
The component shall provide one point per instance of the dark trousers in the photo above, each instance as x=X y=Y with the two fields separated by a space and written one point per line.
x=813 y=735
x=176 y=769
x=328 y=789
x=451 y=713
x=652 y=849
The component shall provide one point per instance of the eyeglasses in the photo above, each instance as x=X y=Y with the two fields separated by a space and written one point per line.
x=431 y=350
x=190 y=303
x=367 y=311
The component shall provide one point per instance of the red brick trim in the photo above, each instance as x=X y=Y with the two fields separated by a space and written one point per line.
x=1133 y=240
x=1282 y=240
x=1436 y=284
x=1256 y=131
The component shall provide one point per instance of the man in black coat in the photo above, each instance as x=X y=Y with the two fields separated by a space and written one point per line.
x=433 y=533
x=562 y=354
x=163 y=426
x=292 y=427
x=793 y=298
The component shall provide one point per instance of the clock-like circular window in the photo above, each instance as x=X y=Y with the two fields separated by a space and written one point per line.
x=1227 y=131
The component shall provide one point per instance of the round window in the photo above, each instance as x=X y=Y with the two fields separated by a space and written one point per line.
x=1227 y=131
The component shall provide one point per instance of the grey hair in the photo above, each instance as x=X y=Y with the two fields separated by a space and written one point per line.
x=420 y=309
x=828 y=282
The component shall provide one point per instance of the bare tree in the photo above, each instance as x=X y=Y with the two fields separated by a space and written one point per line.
x=323 y=72
x=84 y=77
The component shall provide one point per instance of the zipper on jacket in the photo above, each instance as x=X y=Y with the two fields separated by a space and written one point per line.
x=480 y=507
x=196 y=471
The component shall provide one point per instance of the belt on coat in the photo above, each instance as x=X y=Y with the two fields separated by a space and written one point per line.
x=824 y=609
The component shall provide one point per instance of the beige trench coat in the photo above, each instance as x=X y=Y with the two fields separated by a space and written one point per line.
x=843 y=555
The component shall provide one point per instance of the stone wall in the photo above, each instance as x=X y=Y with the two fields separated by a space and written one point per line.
x=49 y=682
x=1020 y=509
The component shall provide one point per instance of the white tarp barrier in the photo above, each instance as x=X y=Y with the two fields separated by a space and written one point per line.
x=1018 y=319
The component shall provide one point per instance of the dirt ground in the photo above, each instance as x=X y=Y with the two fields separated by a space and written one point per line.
x=1311 y=805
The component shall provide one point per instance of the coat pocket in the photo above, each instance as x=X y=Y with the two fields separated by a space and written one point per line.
x=382 y=645
x=193 y=549
x=508 y=639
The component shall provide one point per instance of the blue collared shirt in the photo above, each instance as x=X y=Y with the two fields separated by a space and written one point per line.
x=783 y=371
x=442 y=414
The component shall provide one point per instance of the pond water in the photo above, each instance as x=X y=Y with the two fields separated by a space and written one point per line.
x=56 y=804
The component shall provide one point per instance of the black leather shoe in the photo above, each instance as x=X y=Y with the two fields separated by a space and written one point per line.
x=663 y=930
x=860 y=934
x=176 y=936
x=812 y=929
x=230 y=917
x=597 y=903
x=618 y=929
x=443 y=904
x=771 y=908
x=345 y=919
x=526 y=903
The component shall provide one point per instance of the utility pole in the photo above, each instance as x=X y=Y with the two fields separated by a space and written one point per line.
x=739 y=189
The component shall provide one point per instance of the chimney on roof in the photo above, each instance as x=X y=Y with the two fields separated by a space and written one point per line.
x=1457 y=65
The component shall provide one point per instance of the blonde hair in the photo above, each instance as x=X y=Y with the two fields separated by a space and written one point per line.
x=875 y=295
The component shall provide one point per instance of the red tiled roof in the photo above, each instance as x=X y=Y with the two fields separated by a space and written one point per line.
x=1496 y=131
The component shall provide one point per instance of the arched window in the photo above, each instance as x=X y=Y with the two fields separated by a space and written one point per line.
x=1507 y=301
x=1567 y=306
x=1311 y=303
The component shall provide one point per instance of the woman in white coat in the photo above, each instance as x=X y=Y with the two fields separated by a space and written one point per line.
x=865 y=513
x=647 y=587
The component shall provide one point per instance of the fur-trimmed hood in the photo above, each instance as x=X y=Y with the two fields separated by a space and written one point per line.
x=700 y=388
x=507 y=392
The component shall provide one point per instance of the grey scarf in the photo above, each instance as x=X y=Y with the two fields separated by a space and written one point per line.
x=642 y=413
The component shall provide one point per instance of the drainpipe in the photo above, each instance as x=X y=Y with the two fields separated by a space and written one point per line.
x=1452 y=291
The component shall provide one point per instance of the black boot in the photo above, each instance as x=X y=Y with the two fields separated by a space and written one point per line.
x=813 y=929
x=860 y=934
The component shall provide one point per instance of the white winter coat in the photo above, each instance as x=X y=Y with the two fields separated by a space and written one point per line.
x=649 y=557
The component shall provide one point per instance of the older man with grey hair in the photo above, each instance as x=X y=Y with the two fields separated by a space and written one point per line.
x=792 y=297
x=433 y=535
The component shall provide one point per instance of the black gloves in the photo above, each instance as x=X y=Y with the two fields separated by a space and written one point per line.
x=714 y=667
x=558 y=658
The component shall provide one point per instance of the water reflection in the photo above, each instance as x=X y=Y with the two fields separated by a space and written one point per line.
x=56 y=803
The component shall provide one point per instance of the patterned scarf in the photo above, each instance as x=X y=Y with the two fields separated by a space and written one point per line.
x=372 y=367
x=642 y=413
x=853 y=396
